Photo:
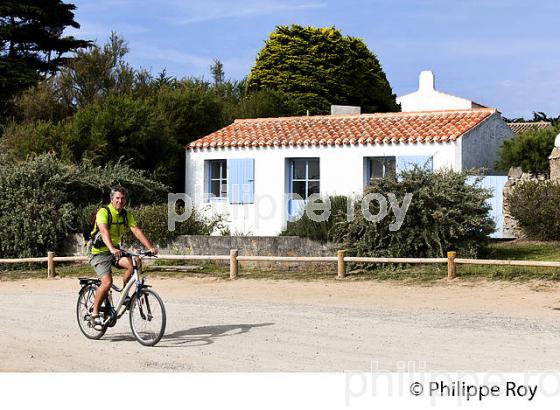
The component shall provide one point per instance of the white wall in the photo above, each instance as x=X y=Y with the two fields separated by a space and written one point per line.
x=481 y=144
x=341 y=169
x=427 y=98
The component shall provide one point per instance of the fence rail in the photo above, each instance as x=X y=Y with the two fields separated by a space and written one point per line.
x=234 y=258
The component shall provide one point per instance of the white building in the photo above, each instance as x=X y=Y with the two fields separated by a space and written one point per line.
x=245 y=170
x=427 y=98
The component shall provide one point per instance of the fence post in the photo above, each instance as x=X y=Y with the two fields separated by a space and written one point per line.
x=341 y=265
x=451 y=266
x=51 y=272
x=233 y=264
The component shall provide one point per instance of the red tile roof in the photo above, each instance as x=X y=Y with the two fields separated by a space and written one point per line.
x=521 y=127
x=405 y=127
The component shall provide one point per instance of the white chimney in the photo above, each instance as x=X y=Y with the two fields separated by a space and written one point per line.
x=427 y=81
x=345 y=110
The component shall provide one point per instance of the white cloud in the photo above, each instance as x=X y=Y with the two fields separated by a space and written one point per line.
x=218 y=10
x=171 y=55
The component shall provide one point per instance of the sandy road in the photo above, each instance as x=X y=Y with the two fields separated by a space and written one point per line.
x=250 y=325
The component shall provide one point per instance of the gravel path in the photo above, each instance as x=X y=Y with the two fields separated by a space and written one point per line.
x=250 y=325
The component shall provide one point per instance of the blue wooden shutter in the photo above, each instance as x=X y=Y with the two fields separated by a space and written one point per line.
x=241 y=181
x=496 y=184
x=407 y=162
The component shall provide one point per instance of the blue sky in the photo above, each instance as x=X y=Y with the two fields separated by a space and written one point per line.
x=500 y=53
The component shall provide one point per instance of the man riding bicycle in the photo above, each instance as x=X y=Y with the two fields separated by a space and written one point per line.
x=110 y=224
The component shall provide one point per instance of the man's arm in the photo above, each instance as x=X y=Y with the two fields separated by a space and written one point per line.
x=143 y=240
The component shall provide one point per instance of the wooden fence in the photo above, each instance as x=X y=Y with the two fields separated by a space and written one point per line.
x=341 y=259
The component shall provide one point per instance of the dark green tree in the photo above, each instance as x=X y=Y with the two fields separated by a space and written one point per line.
x=121 y=126
x=529 y=150
x=317 y=67
x=32 y=42
x=191 y=110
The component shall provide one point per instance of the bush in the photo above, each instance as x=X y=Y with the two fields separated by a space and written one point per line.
x=41 y=199
x=319 y=231
x=103 y=132
x=446 y=213
x=529 y=150
x=534 y=204
x=153 y=221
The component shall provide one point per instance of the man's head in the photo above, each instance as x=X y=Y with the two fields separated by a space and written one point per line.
x=119 y=195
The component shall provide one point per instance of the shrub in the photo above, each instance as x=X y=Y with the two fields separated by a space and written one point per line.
x=153 y=221
x=116 y=127
x=529 y=150
x=534 y=204
x=41 y=200
x=446 y=213
x=319 y=231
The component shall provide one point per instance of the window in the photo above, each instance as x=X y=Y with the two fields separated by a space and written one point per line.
x=304 y=177
x=408 y=162
x=380 y=167
x=217 y=178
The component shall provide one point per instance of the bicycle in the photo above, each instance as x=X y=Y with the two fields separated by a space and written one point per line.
x=147 y=311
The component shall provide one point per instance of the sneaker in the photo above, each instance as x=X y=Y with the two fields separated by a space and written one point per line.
x=96 y=322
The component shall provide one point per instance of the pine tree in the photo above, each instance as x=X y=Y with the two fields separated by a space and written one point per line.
x=316 y=67
x=32 y=45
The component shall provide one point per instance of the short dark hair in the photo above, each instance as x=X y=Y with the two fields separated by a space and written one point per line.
x=120 y=189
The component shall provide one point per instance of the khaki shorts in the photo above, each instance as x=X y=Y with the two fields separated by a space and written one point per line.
x=102 y=263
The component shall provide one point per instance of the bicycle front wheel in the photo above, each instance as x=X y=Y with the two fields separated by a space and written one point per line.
x=83 y=312
x=147 y=317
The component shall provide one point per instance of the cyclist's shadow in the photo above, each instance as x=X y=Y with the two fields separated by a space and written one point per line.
x=205 y=335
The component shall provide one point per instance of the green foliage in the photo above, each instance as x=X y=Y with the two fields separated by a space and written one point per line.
x=41 y=198
x=190 y=109
x=446 y=213
x=264 y=104
x=529 y=150
x=116 y=127
x=33 y=45
x=121 y=126
x=316 y=67
x=41 y=103
x=534 y=204
x=153 y=221
x=22 y=140
x=320 y=231
x=95 y=73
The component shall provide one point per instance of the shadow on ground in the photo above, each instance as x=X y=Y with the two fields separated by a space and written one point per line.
x=196 y=336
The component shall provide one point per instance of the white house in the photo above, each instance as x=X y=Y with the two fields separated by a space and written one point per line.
x=246 y=170
x=427 y=98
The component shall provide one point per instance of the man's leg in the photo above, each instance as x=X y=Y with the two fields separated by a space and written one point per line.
x=106 y=282
x=126 y=264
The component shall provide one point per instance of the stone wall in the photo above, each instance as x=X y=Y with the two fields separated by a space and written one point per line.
x=249 y=245
x=246 y=245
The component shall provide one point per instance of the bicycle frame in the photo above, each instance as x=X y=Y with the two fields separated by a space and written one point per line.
x=134 y=279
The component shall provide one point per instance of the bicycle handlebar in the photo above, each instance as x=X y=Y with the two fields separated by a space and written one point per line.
x=141 y=254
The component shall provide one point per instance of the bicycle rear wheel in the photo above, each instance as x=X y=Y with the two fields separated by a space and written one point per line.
x=83 y=313
x=147 y=317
